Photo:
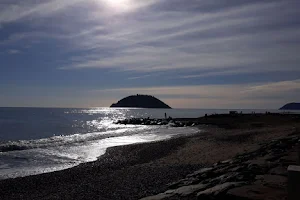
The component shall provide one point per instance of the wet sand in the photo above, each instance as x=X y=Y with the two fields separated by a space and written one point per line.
x=140 y=170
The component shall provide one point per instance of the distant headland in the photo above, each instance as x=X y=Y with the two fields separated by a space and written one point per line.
x=140 y=101
x=291 y=106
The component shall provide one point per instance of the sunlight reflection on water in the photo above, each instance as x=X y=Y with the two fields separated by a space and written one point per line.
x=35 y=156
x=45 y=140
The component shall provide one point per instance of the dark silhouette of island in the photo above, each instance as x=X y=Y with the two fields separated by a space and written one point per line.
x=291 y=106
x=140 y=101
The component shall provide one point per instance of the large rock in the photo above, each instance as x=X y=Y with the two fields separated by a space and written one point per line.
x=274 y=181
x=140 y=101
x=256 y=192
x=178 y=193
x=282 y=171
x=257 y=175
x=291 y=106
x=218 y=189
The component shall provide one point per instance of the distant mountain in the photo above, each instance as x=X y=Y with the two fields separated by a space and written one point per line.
x=291 y=106
x=140 y=101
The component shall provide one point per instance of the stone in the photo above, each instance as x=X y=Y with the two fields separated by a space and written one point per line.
x=218 y=189
x=184 y=182
x=237 y=169
x=200 y=172
x=256 y=192
x=291 y=159
x=179 y=192
x=226 y=161
x=257 y=175
x=188 y=190
x=255 y=169
x=282 y=171
x=274 y=181
x=274 y=157
x=161 y=196
x=231 y=176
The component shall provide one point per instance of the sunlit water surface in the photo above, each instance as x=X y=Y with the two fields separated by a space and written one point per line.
x=39 y=140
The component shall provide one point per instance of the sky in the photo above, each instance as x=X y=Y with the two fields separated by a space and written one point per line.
x=188 y=53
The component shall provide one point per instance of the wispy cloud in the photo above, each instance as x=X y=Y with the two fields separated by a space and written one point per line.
x=216 y=91
x=248 y=35
x=11 y=11
x=139 y=77
x=183 y=41
x=276 y=88
x=270 y=95
x=245 y=37
x=13 y=51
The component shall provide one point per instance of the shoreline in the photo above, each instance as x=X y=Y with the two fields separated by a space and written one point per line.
x=129 y=157
x=140 y=170
x=108 y=148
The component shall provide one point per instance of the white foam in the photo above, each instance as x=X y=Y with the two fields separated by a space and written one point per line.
x=62 y=152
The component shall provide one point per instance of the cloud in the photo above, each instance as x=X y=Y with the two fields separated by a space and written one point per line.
x=264 y=95
x=270 y=95
x=276 y=89
x=16 y=10
x=13 y=51
x=176 y=39
x=250 y=37
x=139 y=77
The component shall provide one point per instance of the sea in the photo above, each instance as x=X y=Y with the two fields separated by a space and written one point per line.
x=41 y=140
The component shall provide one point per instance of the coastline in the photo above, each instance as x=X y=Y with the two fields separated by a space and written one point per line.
x=113 y=170
x=141 y=170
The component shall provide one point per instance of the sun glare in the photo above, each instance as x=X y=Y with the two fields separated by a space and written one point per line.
x=118 y=5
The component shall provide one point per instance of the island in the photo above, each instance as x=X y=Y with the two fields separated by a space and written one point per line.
x=291 y=106
x=140 y=101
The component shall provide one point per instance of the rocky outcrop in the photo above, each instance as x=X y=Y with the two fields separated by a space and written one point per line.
x=260 y=174
x=140 y=101
x=148 y=121
x=291 y=106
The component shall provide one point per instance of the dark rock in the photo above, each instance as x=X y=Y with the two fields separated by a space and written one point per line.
x=200 y=172
x=184 y=182
x=291 y=106
x=218 y=189
x=140 y=101
x=188 y=190
x=260 y=165
x=274 y=156
x=231 y=176
x=282 y=171
x=161 y=196
x=255 y=175
x=290 y=159
x=237 y=169
x=179 y=192
x=226 y=161
x=255 y=192
x=274 y=181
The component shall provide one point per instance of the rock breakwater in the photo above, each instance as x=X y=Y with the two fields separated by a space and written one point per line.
x=260 y=174
x=148 y=121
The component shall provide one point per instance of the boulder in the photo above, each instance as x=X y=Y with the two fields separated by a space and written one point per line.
x=218 y=189
x=255 y=192
x=282 y=171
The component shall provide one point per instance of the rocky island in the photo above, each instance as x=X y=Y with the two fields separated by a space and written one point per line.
x=291 y=106
x=140 y=101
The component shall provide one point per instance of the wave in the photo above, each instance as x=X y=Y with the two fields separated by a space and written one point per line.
x=6 y=148
x=69 y=139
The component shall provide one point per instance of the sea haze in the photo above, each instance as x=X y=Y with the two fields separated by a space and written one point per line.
x=39 y=140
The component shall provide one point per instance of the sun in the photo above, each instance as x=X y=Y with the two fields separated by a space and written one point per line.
x=118 y=5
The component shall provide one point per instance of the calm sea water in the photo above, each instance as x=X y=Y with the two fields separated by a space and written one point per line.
x=39 y=140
